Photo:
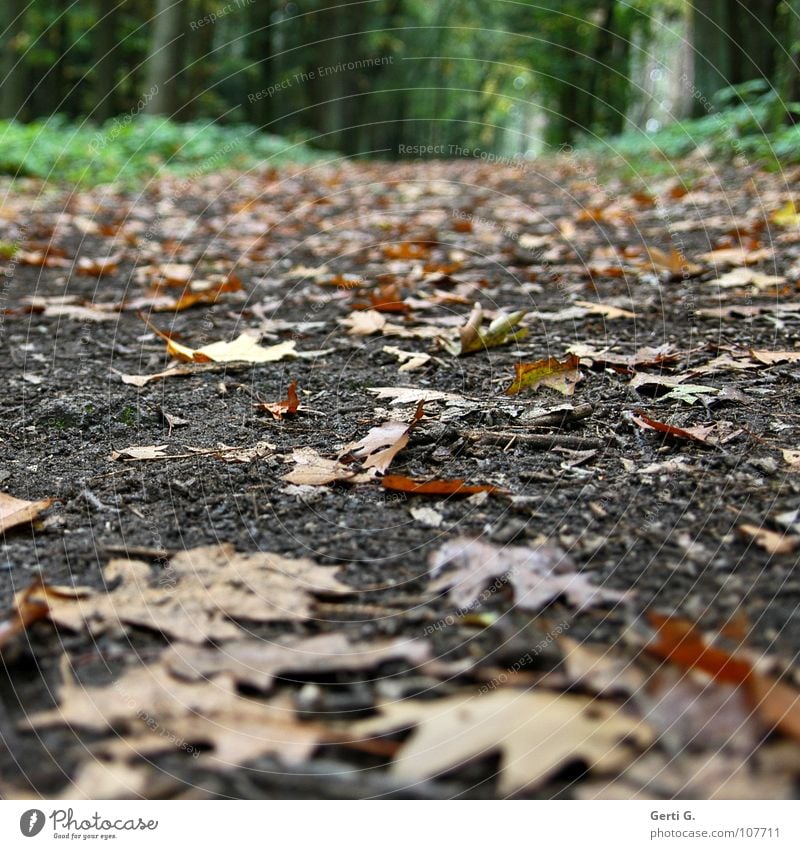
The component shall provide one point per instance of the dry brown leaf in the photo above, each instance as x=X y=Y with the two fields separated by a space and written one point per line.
x=736 y=256
x=538 y=575
x=537 y=733
x=288 y=407
x=141 y=452
x=748 y=310
x=198 y=593
x=382 y=444
x=606 y=310
x=647 y=356
x=410 y=360
x=311 y=469
x=161 y=713
x=18 y=511
x=769 y=358
x=257 y=663
x=364 y=322
x=243 y=349
x=747 y=277
x=412 y=395
x=772 y=542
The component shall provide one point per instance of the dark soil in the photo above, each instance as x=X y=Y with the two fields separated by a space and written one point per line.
x=671 y=536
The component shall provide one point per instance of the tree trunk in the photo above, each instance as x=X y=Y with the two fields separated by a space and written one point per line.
x=105 y=62
x=12 y=68
x=164 y=62
x=262 y=48
x=713 y=56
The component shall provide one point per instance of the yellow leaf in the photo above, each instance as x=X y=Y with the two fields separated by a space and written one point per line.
x=243 y=349
x=550 y=372
x=786 y=216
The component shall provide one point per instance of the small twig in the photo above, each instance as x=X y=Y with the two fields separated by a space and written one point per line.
x=141 y=551
x=537 y=440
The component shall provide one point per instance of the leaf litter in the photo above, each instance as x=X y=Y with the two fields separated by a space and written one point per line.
x=236 y=624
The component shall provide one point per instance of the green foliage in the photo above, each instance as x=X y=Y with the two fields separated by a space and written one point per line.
x=129 y=150
x=743 y=127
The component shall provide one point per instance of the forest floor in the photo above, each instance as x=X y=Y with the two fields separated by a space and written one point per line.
x=612 y=611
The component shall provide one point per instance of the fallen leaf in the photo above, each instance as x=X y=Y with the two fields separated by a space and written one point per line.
x=670 y=388
x=747 y=277
x=198 y=594
x=749 y=310
x=769 y=358
x=158 y=712
x=736 y=256
x=674 y=262
x=427 y=516
x=699 y=433
x=18 y=511
x=550 y=373
x=792 y=459
x=786 y=216
x=412 y=395
x=363 y=322
x=311 y=469
x=680 y=642
x=257 y=663
x=537 y=733
x=606 y=310
x=538 y=575
x=410 y=360
x=647 y=356
x=382 y=444
x=198 y=294
x=399 y=483
x=771 y=541
x=98 y=267
x=244 y=349
x=499 y=331
x=140 y=452
x=173 y=273
x=288 y=407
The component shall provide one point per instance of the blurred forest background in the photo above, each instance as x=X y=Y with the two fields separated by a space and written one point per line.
x=98 y=85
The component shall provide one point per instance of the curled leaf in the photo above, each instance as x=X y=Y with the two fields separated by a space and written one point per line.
x=288 y=407
x=500 y=331
x=552 y=373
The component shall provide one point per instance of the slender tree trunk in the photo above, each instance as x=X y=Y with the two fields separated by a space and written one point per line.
x=262 y=48
x=12 y=69
x=105 y=60
x=754 y=33
x=713 y=54
x=164 y=62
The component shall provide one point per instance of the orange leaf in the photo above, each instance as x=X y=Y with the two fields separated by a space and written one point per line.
x=679 y=642
x=279 y=409
x=696 y=434
x=400 y=483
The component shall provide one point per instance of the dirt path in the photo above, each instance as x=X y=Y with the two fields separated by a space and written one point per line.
x=656 y=515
